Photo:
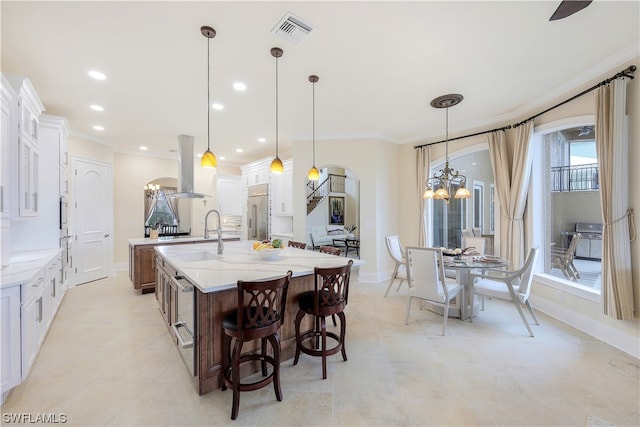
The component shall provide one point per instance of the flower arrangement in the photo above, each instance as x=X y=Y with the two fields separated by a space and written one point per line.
x=350 y=228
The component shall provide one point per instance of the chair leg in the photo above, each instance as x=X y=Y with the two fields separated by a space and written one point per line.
x=399 y=285
x=235 y=377
x=299 y=317
x=323 y=335
x=333 y=317
x=343 y=333
x=535 y=319
x=275 y=344
x=393 y=277
x=263 y=363
x=406 y=319
x=227 y=359
x=445 y=317
x=522 y=316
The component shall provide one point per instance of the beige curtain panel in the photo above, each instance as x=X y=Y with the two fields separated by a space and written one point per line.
x=612 y=149
x=423 y=170
x=511 y=178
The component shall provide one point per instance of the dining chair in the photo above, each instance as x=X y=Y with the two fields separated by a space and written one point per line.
x=508 y=285
x=328 y=298
x=563 y=258
x=330 y=250
x=259 y=316
x=427 y=282
x=299 y=245
x=478 y=243
x=398 y=255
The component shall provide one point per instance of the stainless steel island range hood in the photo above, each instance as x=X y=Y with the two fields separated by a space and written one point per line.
x=185 y=170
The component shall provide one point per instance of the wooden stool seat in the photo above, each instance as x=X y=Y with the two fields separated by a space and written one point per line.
x=328 y=298
x=261 y=318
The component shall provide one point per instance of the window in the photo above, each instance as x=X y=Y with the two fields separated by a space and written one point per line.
x=572 y=201
x=161 y=213
x=478 y=204
x=446 y=221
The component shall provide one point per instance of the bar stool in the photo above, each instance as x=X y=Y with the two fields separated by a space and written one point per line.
x=329 y=297
x=261 y=318
x=299 y=245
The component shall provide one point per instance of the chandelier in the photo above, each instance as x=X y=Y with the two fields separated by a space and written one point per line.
x=439 y=185
x=151 y=190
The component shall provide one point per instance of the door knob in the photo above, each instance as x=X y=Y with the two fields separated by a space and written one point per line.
x=106 y=235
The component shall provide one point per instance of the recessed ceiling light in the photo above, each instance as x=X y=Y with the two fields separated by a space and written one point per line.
x=262 y=140
x=239 y=150
x=97 y=75
x=222 y=157
x=97 y=127
x=217 y=106
x=143 y=148
x=239 y=86
x=95 y=107
x=199 y=155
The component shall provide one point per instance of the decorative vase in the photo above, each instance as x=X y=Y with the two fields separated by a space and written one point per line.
x=350 y=236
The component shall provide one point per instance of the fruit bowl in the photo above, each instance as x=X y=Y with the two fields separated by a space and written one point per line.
x=269 y=254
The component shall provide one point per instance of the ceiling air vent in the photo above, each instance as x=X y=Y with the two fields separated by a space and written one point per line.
x=292 y=28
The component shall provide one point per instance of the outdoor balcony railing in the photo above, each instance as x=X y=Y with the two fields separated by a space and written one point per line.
x=575 y=178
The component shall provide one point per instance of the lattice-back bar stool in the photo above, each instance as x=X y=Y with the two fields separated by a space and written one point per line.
x=260 y=313
x=329 y=297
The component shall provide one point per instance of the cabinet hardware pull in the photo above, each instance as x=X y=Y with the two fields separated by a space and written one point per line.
x=39 y=309
x=176 y=332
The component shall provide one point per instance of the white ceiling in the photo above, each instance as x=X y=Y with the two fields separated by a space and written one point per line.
x=379 y=63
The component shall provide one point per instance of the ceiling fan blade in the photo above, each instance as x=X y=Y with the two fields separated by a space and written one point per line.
x=568 y=8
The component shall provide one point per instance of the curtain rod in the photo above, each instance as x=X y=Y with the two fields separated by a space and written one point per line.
x=627 y=72
x=465 y=136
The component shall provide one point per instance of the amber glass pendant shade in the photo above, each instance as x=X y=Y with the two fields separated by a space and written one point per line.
x=314 y=174
x=277 y=166
x=208 y=160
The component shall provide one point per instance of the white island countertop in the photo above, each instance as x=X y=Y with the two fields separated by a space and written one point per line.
x=167 y=240
x=211 y=272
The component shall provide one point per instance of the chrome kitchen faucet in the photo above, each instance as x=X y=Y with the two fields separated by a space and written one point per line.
x=219 y=229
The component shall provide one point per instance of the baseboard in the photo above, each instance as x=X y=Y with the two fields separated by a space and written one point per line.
x=615 y=337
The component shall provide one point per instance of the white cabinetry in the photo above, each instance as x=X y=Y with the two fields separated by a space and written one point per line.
x=8 y=101
x=29 y=298
x=10 y=373
x=282 y=190
x=28 y=110
x=229 y=195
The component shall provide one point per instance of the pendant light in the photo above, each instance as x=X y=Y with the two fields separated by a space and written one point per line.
x=276 y=164
x=443 y=179
x=314 y=174
x=208 y=159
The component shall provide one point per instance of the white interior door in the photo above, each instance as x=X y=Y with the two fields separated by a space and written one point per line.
x=93 y=209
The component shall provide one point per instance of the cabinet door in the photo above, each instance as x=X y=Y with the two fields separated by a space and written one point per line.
x=6 y=129
x=10 y=369
x=228 y=195
x=32 y=331
x=148 y=266
x=28 y=179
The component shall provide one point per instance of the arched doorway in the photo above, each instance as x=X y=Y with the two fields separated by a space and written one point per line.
x=333 y=206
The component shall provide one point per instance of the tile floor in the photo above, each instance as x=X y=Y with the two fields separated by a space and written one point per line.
x=108 y=360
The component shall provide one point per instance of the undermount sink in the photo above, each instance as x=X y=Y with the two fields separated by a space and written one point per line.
x=197 y=256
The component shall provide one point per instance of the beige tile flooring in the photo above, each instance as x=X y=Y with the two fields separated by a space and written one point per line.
x=108 y=360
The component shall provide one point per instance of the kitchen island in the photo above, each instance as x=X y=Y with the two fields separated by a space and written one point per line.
x=214 y=278
x=142 y=270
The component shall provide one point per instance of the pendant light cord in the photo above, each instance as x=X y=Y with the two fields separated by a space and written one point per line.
x=277 y=107
x=446 y=137
x=208 y=96
x=313 y=123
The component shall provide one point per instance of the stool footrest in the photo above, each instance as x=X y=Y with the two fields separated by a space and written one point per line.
x=312 y=335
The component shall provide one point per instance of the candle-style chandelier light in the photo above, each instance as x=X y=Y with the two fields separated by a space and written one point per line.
x=439 y=185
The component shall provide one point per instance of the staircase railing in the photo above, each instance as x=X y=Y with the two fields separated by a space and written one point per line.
x=332 y=184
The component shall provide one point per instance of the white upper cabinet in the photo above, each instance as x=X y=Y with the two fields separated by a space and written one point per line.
x=229 y=195
x=8 y=101
x=282 y=190
x=25 y=140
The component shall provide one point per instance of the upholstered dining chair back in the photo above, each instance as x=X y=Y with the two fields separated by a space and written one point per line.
x=425 y=271
x=475 y=242
x=395 y=248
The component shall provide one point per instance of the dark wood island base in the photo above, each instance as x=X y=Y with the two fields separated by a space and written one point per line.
x=213 y=306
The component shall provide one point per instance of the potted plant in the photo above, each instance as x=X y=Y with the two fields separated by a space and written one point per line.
x=350 y=229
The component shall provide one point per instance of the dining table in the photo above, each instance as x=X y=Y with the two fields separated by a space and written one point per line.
x=464 y=266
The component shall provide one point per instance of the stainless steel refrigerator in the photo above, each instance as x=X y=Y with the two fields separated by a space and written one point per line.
x=258 y=212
